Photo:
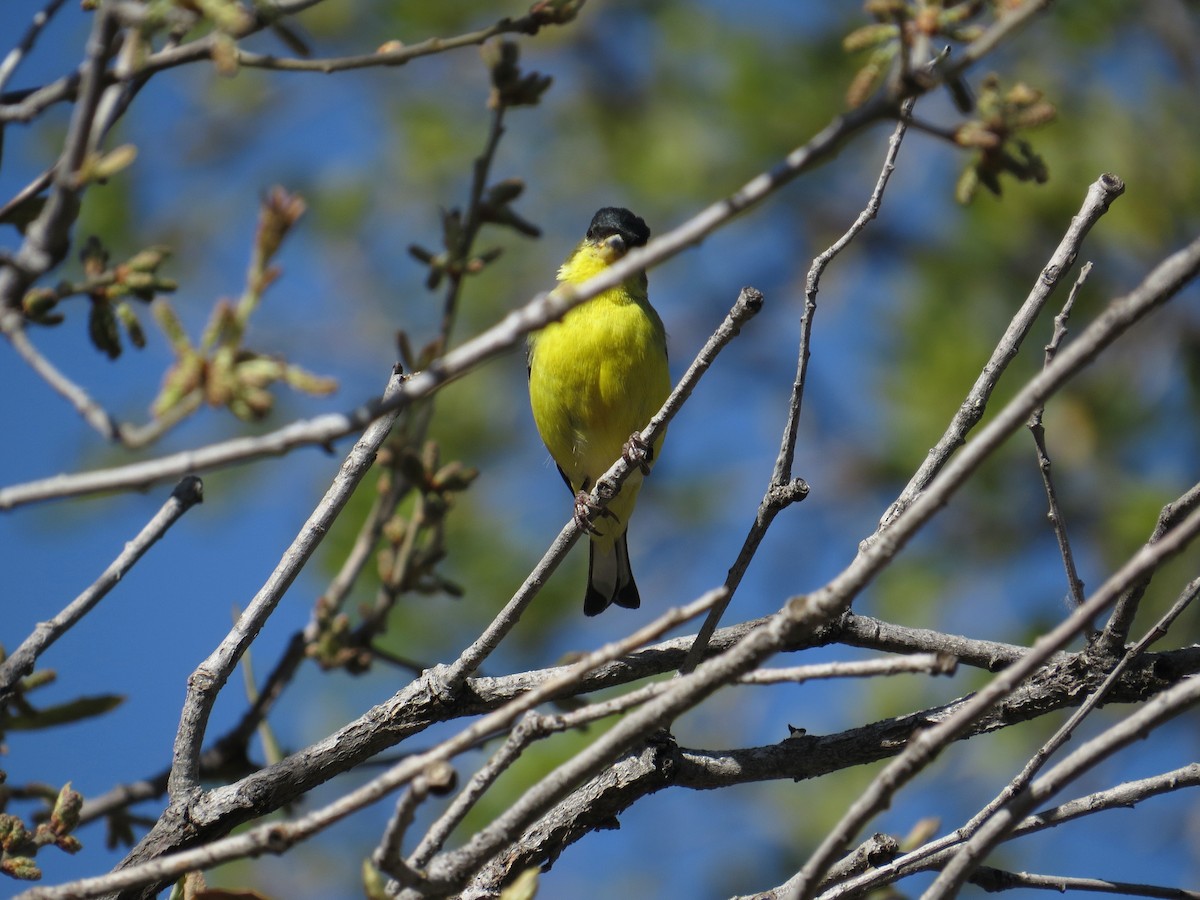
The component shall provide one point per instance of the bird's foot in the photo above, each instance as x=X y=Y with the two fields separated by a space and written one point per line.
x=585 y=510
x=638 y=452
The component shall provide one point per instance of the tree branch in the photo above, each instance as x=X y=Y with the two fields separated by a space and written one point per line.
x=1099 y=197
x=187 y=494
x=782 y=490
x=208 y=679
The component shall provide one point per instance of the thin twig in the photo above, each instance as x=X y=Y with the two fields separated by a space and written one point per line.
x=924 y=746
x=995 y=880
x=23 y=106
x=231 y=747
x=91 y=411
x=1136 y=726
x=531 y=727
x=1056 y=741
x=931 y=663
x=208 y=679
x=40 y=20
x=782 y=489
x=1038 y=430
x=388 y=593
x=436 y=779
x=1013 y=792
x=187 y=494
x=935 y=853
x=1094 y=699
x=46 y=237
x=1099 y=196
x=1112 y=639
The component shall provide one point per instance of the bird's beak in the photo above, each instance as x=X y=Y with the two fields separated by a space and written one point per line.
x=613 y=247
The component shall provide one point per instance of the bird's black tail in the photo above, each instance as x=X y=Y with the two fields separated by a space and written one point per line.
x=610 y=579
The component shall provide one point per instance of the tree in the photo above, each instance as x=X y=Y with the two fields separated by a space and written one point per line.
x=769 y=133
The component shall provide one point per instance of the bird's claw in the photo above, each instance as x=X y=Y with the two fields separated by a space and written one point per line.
x=638 y=452
x=584 y=507
x=586 y=510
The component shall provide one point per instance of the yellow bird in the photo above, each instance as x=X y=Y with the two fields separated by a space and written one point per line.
x=596 y=377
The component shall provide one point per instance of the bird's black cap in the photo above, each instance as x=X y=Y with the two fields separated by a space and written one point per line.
x=615 y=220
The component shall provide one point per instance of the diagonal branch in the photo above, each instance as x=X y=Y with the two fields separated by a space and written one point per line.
x=40 y=20
x=1159 y=286
x=46 y=237
x=187 y=494
x=1099 y=197
x=503 y=336
x=208 y=679
x=782 y=489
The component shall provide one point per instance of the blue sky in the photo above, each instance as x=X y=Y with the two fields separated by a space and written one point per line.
x=145 y=639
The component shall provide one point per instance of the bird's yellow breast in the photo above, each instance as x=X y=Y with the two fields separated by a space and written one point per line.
x=596 y=377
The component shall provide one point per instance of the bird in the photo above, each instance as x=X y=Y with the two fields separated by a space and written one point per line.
x=596 y=377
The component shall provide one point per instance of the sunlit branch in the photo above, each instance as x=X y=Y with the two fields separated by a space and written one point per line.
x=1038 y=431
x=989 y=827
x=1112 y=639
x=925 y=663
x=186 y=495
x=1099 y=196
x=782 y=489
x=208 y=679
x=933 y=854
x=1160 y=709
x=278 y=837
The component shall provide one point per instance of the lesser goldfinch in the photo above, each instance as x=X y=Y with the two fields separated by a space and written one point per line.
x=595 y=378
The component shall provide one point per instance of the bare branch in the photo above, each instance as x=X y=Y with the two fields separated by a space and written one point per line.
x=40 y=20
x=996 y=880
x=208 y=679
x=782 y=489
x=46 y=237
x=933 y=854
x=131 y=436
x=1036 y=428
x=930 y=663
x=1158 y=710
x=438 y=778
x=1112 y=639
x=1099 y=196
x=187 y=494
x=986 y=829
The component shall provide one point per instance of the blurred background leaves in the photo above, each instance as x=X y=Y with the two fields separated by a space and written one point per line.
x=663 y=107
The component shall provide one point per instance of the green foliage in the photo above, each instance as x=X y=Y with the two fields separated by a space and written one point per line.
x=664 y=107
x=19 y=844
x=221 y=371
x=994 y=134
x=109 y=288
x=524 y=887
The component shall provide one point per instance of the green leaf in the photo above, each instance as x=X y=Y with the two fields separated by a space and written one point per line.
x=65 y=713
